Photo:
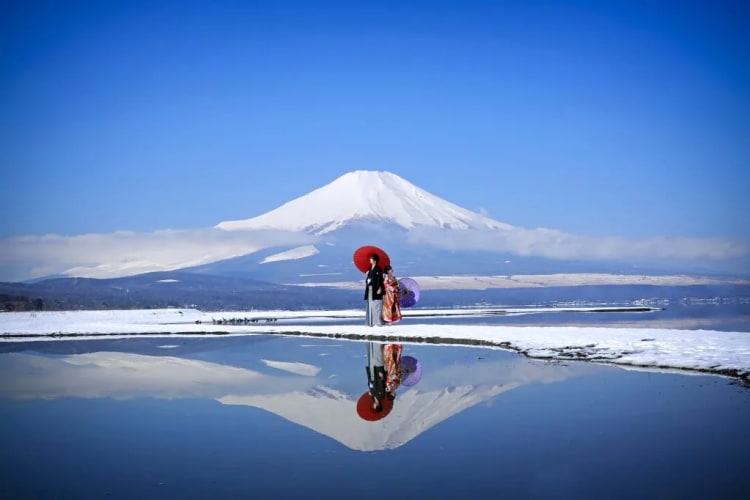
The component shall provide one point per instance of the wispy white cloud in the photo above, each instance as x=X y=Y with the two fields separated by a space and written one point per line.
x=293 y=367
x=126 y=375
x=556 y=244
x=125 y=252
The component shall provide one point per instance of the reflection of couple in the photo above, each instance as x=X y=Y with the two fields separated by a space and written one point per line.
x=383 y=373
x=381 y=294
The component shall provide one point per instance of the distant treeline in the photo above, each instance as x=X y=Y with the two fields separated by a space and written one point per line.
x=217 y=293
x=164 y=290
x=20 y=303
x=228 y=301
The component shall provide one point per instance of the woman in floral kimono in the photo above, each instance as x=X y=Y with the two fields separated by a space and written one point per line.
x=391 y=306
x=392 y=365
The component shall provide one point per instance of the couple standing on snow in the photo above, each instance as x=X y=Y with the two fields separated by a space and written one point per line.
x=382 y=294
x=383 y=360
x=383 y=372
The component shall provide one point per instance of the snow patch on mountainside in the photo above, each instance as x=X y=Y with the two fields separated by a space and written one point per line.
x=366 y=196
x=293 y=254
x=295 y=367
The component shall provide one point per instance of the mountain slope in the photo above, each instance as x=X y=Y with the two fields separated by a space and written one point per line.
x=167 y=289
x=331 y=412
x=365 y=196
x=313 y=237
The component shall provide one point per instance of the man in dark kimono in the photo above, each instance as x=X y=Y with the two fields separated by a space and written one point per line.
x=376 y=375
x=374 y=293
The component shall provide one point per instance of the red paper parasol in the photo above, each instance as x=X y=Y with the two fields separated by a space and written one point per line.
x=362 y=257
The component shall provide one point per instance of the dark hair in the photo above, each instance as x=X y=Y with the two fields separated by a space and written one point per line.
x=387 y=268
x=375 y=257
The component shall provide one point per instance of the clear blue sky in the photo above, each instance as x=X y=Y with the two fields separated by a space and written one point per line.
x=602 y=118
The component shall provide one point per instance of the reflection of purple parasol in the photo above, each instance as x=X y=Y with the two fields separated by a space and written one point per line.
x=411 y=370
x=409 y=292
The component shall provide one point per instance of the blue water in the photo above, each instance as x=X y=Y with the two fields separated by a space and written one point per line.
x=722 y=317
x=125 y=419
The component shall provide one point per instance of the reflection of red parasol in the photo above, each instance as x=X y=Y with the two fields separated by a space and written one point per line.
x=362 y=257
x=365 y=411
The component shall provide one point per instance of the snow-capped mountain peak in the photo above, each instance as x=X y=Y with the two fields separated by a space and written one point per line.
x=365 y=195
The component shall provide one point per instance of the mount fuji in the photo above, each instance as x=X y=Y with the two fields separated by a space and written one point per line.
x=310 y=240
x=366 y=197
x=382 y=209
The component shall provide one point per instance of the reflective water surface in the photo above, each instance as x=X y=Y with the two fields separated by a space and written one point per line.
x=275 y=417
x=731 y=316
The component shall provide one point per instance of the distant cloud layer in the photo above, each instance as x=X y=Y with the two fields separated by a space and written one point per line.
x=127 y=253
x=555 y=244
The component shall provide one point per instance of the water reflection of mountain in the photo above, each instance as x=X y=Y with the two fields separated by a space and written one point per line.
x=298 y=394
x=448 y=391
x=330 y=412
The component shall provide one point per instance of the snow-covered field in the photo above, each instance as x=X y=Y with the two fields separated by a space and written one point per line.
x=466 y=282
x=710 y=351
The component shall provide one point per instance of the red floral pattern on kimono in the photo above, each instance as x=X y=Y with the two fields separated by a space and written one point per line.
x=391 y=306
x=392 y=362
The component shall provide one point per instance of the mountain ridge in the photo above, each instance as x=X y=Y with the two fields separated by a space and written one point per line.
x=317 y=233
x=365 y=196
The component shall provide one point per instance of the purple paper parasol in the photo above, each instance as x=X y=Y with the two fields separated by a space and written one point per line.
x=411 y=371
x=409 y=292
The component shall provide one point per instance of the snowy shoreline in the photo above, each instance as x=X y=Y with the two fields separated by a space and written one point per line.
x=706 y=351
